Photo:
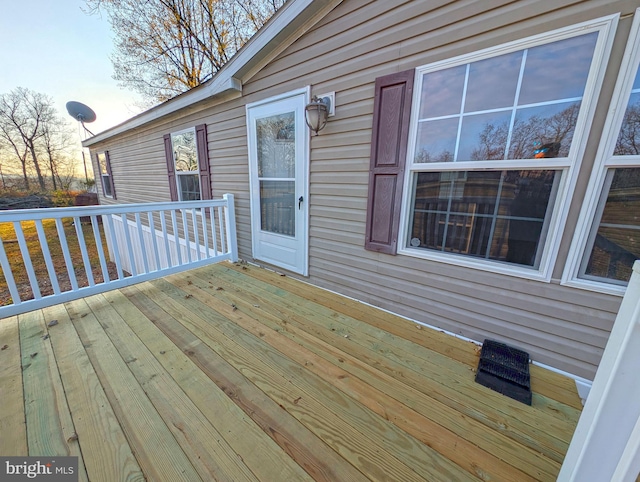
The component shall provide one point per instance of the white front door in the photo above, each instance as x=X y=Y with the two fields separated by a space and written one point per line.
x=278 y=170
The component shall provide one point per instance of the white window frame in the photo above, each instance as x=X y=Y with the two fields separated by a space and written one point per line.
x=186 y=173
x=103 y=156
x=605 y=26
x=605 y=160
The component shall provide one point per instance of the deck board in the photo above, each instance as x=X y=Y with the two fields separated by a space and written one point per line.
x=437 y=380
x=151 y=440
x=176 y=409
x=12 y=417
x=239 y=436
x=232 y=372
x=307 y=450
x=317 y=405
x=364 y=391
x=50 y=427
x=106 y=453
x=545 y=382
x=462 y=436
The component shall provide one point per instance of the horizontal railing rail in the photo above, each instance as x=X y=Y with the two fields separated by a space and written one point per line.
x=69 y=253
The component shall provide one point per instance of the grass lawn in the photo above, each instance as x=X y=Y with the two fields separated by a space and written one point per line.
x=12 y=249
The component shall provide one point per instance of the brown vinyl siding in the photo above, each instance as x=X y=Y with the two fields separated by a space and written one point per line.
x=345 y=52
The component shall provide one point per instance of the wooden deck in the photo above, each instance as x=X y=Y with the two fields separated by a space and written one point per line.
x=236 y=373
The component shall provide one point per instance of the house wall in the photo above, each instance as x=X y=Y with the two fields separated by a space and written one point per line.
x=358 y=41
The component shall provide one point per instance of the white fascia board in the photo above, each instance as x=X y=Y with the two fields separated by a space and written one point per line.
x=224 y=81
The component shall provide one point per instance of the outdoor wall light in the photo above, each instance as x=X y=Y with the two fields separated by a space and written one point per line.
x=317 y=112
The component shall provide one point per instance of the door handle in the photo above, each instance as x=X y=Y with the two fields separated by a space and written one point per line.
x=300 y=199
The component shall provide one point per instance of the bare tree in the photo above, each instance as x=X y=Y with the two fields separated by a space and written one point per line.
x=33 y=135
x=23 y=115
x=165 y=47
x=11 y=142
x=55 y=144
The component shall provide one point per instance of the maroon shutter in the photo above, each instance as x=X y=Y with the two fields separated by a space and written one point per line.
x=108 y=163
x=203 y=161
x=171 y=168
x=391 y=113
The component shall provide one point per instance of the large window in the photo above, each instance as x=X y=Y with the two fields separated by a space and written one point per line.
x=603 y=254
x=494 y=141
x=185 y=156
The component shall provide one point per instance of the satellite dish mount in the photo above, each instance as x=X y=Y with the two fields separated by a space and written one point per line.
x=82 y=113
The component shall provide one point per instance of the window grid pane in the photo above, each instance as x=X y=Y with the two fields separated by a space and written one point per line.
x=496 y=215
x=184 y=151
x=188 y=186
x=106 y=185
x=614 y=243
x=537 y=122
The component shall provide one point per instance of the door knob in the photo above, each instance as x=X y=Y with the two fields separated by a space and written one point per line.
x=300 y=199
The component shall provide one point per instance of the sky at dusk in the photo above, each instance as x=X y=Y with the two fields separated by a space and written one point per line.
x=54 y=48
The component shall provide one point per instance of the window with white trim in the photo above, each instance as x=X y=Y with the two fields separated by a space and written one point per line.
x=105 y=174
x=494 y=139
x=610 y=242
x=185 y=157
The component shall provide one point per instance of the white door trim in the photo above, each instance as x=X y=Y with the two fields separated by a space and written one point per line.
x=300 y=250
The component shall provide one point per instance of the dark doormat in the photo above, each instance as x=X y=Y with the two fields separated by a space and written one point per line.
x=506 y=370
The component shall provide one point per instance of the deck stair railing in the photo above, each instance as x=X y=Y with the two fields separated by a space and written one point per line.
x=119 y=245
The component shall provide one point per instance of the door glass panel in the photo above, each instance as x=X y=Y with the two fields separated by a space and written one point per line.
x=276 y=138
x=276 y=172
x=277 y=207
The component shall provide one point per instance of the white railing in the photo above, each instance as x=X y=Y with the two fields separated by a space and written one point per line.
x=144 y=241
x=606 y=443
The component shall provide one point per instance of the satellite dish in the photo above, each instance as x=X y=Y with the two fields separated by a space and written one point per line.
x=82 y=113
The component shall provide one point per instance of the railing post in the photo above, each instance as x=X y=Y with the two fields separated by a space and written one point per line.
x=606 y=443
x=230 y=220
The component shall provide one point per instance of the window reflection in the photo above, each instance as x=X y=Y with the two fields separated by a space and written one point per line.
x=184 y=151
x=616 y=243
x=276 y=146
x=437 y=140
x=442 y=92
x=277 y=207
x=185 y=158
x=493 y=82
x=533 y=95
x=498 y=215
x=628 y=142
x=544 y=131
x=189 y=187
x=484 y=137
x=557 y=70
